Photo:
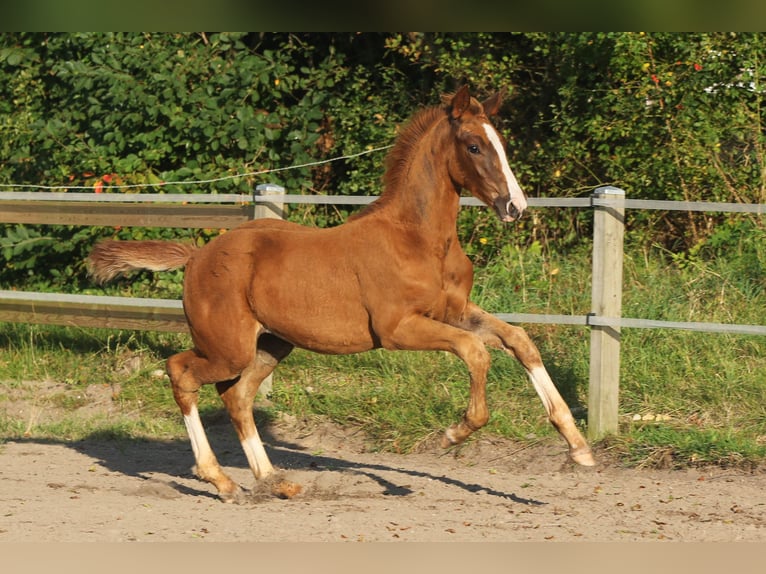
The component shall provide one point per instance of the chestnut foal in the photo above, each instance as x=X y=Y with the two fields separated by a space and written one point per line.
x=393 y=276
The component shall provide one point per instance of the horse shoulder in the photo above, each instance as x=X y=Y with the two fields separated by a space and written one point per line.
x=457 y=281
x=458 y=268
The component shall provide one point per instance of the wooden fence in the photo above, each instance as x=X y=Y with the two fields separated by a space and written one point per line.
x=227 y=211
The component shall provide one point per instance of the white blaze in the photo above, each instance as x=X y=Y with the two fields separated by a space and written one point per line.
x=514 y=189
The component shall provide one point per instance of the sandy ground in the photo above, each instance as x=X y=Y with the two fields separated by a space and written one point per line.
x=489 y=490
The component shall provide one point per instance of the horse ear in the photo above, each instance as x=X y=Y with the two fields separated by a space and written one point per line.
x=492 y=104
x=460 y=102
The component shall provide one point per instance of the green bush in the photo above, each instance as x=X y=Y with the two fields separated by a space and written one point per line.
x=664 y=116
x=100 y=110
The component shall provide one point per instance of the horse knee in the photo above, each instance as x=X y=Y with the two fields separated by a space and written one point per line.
x=475 y=355
x=183 y=382
x=179 y=370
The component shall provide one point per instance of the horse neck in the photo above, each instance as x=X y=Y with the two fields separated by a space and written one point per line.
x=422 y=194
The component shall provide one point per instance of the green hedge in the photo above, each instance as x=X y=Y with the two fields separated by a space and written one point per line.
x=665 y=116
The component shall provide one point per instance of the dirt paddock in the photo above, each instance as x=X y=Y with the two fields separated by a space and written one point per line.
x=490 y=490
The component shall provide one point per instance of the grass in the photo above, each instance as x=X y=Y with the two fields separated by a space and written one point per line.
x=52 y=368
x=685 y=399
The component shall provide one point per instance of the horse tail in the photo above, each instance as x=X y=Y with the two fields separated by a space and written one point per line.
x=108 y=259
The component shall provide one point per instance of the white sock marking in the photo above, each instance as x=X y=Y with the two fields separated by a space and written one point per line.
x=256 y=456
x=199 y=443
x=543 y=384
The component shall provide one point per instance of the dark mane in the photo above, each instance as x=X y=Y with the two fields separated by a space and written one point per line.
x=400 y=155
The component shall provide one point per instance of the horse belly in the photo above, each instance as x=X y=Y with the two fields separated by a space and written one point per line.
x=320 y=330
x=320 y=311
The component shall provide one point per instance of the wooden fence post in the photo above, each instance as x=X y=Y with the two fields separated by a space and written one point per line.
x=603 y=389
x=268 y=209
x=274 y=210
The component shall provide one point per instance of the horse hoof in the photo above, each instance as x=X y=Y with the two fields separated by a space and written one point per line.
x=237 y=496
x=286 y=489
x=449 y=439
x=583 y=457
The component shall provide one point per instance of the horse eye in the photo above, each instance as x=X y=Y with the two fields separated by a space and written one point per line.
x=473 y=148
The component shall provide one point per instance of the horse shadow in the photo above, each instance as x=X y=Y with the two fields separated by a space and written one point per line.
x=569 y=385
x=142 y=458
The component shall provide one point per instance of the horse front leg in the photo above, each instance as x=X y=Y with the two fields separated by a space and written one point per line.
x=515 y=342
x=477 y=413
x=419 y=333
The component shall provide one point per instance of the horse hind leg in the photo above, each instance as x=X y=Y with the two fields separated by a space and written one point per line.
x=238 y=396
x=188 y=371
x=515 y=342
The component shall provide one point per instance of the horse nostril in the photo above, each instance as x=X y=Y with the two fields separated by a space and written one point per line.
x=513 y=211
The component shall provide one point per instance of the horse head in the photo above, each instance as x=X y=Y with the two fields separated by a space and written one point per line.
x=480 y=164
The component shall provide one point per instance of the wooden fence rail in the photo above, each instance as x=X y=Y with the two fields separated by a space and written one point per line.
x=228 y=211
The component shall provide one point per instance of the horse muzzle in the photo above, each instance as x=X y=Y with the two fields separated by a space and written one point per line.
x=509 y=210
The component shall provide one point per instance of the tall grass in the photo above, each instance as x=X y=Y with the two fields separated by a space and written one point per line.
x=685 y=398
